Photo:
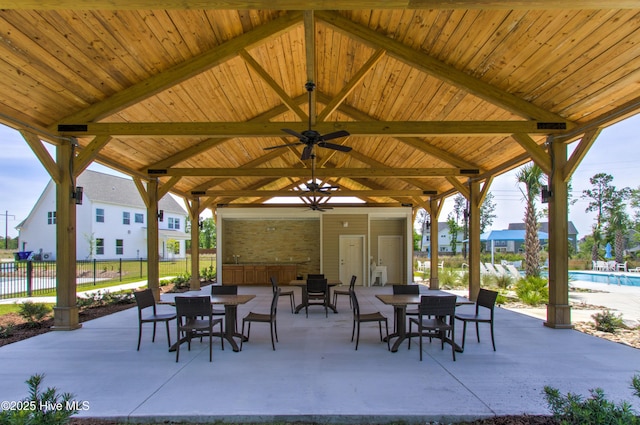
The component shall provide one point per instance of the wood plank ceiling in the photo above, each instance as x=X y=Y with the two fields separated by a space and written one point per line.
x=432 y=93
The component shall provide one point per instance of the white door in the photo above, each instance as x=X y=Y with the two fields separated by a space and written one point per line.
x=352 y=258
x=390 y=256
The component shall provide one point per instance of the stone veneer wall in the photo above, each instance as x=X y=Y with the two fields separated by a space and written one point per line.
x=273 y=241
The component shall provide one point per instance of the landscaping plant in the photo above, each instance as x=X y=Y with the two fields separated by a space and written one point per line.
x=573 y=409
x=33 y=313
x=532 y=290
x=41 y=407
x=606 y=321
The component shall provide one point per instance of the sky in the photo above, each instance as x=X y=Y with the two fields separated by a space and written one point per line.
x=616 y=152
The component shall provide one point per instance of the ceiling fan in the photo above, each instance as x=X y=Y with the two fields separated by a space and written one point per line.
x=315 y=191
x=311 y=138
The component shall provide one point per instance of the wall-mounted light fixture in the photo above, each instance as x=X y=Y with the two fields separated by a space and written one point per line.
x=161 y=215
x=77 y=195
x=345 y=224
x=271 y=229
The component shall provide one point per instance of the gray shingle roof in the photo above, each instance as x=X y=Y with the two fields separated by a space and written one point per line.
x=110 y=189
x=544 y=227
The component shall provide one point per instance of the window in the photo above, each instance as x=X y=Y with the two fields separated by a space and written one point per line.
x=51 y=217
x=126 y=217
x=139 y=218
x=99 y=215
x=174 y=223
x=99 y=246
x=119 y=246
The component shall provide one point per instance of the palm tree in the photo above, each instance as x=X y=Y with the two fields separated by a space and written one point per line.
x=531 y=176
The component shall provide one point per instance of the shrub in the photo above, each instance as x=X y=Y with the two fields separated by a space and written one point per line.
x=608 y=321
x=463 y=279
x=7 y=331
x=34 y=409
x=503 y=281
x=532 y=290
x=487 y=280
x=97 y=299
x=448 y=279
x=572 y=409
x=208 y=273
x=33 y=313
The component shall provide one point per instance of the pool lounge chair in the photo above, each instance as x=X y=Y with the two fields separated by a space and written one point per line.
x=500 y=270
x=491 y=269
x=513 y=271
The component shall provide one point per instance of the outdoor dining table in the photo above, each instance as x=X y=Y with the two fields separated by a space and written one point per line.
x=303 y=285
x=400 y=303
x=231 y=303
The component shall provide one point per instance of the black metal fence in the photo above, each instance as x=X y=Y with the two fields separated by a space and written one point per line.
x=32 y=278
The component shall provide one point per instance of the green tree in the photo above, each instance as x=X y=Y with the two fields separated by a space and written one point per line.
x=487 y=212
x=461 y=213
x=531 y=176
x=600 y=198
x=208 y=233
x=618 y=221
x=454 y=228
x=422 y=220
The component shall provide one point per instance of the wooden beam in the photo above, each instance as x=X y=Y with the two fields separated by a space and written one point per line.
x=88 y=154
x=184 y=70
x=464 y=191
x=207 y=144
x=538 y=154
x=274 y=129
x=166 y=187
x=299 y=193
x=304 y=173
x=415 y=142
x=142 y=190
x=579 y=153
x=43 y=155
x=440 y=70
x=351 y=85
x=313 y=4
x=485 y=190
x=310 y=58
x=266 y=77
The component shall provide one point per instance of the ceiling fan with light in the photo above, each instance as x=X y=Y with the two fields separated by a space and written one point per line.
x=310 y=138
x=316 y=194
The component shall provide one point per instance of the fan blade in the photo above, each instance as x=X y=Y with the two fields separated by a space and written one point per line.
x=282 y=146
x=333 y=146
x=294 y=133
x=335 y=135
x=306 y=152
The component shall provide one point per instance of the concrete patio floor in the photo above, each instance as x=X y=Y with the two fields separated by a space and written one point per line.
x=315 y=375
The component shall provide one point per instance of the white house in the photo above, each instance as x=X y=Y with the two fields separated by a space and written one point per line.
x=444 y=239
x=111 y=222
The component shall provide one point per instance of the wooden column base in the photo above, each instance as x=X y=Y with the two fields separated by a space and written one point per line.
x=65 y=319
x=434 y=283
x=558 y=316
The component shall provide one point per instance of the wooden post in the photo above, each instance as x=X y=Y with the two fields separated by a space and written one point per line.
x=153 y=268
x=434 y=206
x=474 y=239
x=194 y=215
x=65 y=313
x=558 y=309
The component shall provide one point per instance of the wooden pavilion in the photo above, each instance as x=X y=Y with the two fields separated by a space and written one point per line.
x=437 y=96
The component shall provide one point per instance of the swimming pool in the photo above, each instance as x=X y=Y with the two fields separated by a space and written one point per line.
x=618 y=278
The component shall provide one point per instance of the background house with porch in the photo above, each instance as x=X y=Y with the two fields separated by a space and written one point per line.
x=111 y=222
x=544 y=227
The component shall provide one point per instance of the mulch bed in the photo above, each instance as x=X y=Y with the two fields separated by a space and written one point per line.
x=23 y=330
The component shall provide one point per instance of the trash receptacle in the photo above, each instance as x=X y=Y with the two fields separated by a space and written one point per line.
x=16 y=256
x=24 y=255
